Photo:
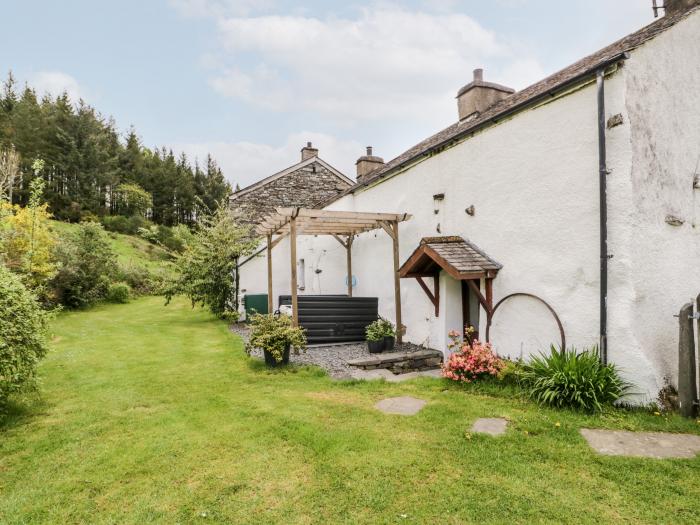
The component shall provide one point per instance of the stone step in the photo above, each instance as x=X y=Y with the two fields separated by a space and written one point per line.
x=401 y=362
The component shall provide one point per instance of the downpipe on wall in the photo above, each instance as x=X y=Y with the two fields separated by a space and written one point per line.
x=603 y=197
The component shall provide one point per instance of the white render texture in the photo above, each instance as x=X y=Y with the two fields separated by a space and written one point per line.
x=533 y=181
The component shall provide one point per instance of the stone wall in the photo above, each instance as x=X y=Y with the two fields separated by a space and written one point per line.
x=306 y=187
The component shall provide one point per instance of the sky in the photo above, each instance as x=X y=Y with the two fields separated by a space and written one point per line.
x=251 y=81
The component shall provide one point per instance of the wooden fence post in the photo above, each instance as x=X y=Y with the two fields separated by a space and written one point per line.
x=687 y=389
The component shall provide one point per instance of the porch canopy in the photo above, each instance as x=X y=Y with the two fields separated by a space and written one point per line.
x=460 y=258
x=343 y=226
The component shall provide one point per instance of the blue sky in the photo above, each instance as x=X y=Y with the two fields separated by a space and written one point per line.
x=253 y=80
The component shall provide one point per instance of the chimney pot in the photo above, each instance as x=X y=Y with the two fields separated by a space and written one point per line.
x=369 y=151
x=308 y=144
x=478 y=75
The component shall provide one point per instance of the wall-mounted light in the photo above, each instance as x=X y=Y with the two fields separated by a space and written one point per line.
x=437 y=199
x=471 y=210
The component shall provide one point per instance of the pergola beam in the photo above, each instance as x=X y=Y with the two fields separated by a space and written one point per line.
x=338 y=224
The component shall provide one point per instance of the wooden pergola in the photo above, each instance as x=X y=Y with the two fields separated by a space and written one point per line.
x=341 y=225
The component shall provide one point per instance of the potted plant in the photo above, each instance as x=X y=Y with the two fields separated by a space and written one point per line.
x=374 y=333
x=389 y=333
x=276 y=336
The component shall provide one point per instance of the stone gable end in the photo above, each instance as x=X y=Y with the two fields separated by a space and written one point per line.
x=306 y=187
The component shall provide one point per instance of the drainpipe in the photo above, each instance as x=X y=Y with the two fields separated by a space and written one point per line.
x=602 y=189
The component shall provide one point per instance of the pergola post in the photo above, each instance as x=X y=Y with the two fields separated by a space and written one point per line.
x=270 y=304
x=397 y=280
x=348 y=250
x=293 y=258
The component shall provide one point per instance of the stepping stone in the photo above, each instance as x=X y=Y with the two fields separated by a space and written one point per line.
x=493 y=426
x=403 y=406
x=642 y=444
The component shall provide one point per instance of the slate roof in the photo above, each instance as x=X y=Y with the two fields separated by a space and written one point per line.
x=458 y=256
x=547 y=87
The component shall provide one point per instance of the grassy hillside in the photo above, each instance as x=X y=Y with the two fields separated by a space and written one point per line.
x=131 y=250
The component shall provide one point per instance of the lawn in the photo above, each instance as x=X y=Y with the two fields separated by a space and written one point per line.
x=154 y=414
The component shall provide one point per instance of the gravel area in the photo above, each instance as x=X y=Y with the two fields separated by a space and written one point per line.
x=332 y=358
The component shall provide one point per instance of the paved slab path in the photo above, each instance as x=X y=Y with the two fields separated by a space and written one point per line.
x=642 y=444
x=494 y=426
x=403 y=406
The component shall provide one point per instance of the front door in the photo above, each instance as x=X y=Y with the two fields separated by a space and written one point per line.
x=470 y=308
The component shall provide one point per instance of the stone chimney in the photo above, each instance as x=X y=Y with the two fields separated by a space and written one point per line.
x=477 y=96
x=671 y=7
x=308 y=151
x=367 y=164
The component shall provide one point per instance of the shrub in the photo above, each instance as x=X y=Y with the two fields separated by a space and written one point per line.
x=119 y=293
x=22 y=335
x=565 y=378
x=27 y=242
x=379 y=329
x=126 y=225
x=472 y=360
x=88 y=264
x=141 y=280
x=206 y=269
x=274 y=333
x=374 y=331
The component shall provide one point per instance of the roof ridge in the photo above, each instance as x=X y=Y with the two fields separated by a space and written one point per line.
x=529 y=94
x=270 y=178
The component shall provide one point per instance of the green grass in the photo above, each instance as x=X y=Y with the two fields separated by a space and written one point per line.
x=154 y=414
x=130 y=250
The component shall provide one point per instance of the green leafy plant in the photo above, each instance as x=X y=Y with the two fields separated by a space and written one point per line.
x=386 y=327
x=374 y=331
x=565 y=378
x=206 y=269
x=88 y=264
x=274 y=334
x=379 y=329
x=119 y=293
x=23 y=326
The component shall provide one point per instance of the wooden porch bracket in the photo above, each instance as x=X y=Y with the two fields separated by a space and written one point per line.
x=433 y=296
x=487 y=305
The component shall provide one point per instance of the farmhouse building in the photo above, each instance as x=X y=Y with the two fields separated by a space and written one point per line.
x=567 y=210
x=307 y=184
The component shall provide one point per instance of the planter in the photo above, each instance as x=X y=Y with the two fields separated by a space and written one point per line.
x=389 y=341
x=375 y=347
x=272 y=362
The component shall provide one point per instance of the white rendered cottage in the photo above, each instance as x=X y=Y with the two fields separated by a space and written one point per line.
x=544 y=196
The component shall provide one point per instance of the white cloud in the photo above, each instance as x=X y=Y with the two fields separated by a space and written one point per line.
x=389 y=62
x=55 y=83
x=244 y=163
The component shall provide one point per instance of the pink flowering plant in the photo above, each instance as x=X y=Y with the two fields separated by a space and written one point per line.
x=471 y=360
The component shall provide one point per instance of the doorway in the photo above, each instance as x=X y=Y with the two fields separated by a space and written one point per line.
x=470 y=307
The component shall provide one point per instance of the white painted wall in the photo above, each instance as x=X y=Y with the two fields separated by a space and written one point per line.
x=656 y=267
x=533 y=180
